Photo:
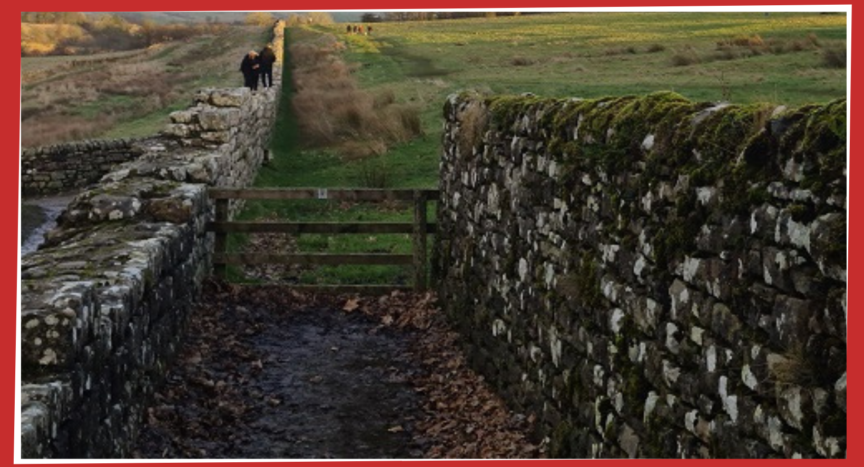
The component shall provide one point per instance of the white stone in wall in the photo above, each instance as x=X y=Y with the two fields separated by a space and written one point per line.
x=638 y=266
x=646 y=202
x=696 y=335
x=711 y=359
x=748 y=378
x=730 y=403
x=671 y=342
x=705 y=195
x=688 y=268
x=235 y=97
x=690 y=421
x=615 y=320
x=670 y=373
x=648 y=143
x=554 y=346
x=609 y=252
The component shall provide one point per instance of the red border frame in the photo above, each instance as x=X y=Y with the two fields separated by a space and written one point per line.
x=9 y=188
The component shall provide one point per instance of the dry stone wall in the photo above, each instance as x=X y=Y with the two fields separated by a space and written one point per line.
x=106 y=298
x=67 y=167
x=651 y=276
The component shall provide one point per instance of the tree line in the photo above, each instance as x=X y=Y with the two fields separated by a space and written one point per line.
x=433 y=15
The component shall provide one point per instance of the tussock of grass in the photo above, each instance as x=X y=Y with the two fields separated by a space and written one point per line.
x=521 y=61
x=474 y=120
x=834 y=57
x=332 y=110
x=685 y=57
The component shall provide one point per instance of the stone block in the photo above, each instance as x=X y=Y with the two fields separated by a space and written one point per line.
x=236 y=97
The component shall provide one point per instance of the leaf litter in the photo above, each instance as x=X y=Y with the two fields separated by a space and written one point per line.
x=269 y=372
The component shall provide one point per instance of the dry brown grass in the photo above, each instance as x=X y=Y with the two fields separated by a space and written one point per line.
x=743 y=41
x=834 y=57
x=333 y=111
x=685 y=57
x=62 y=128
x=521 y=61
x=473 y=122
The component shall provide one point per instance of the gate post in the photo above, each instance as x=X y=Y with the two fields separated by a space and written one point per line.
x=420 y=229
x=221 y=237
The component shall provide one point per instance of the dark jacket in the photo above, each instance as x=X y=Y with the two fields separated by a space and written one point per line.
x=266 y=58
x=249 y=66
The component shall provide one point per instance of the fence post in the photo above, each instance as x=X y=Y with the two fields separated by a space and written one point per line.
x=419 y=241
x=221 y=245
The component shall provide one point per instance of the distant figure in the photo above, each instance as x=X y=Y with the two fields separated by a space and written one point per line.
x=348 y=29
x=249 y=66
x=360 y=29
x=368 y=29
x=266 y=59
x=355 y=29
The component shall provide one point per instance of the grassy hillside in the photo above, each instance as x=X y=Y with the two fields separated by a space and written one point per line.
x=126 y=94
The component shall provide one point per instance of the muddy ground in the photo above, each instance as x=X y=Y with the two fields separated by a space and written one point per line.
x=270 y=373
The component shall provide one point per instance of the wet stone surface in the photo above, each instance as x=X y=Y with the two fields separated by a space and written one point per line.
x=341 y=388
x=259 y=381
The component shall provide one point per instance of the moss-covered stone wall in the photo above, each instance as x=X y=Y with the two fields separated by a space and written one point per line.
x=104 y=302
x=651 y=276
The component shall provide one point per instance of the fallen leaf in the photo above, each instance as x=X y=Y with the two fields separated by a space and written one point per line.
x=351 y=305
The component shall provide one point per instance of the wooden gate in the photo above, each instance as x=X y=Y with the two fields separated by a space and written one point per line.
x=419 y=229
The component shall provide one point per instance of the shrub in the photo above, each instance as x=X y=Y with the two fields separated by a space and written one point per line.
x=726 y=53
x=834 y=57
x=654 y=48
x=685 y=58
x=521 y=61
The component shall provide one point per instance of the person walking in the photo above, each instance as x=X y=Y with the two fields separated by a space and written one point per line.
x=266 y=59
x=249 y=66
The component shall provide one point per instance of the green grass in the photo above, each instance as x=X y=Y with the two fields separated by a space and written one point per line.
x=145 y=126
x=569 y=54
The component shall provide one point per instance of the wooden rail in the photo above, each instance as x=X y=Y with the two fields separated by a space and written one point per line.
x=419 y=229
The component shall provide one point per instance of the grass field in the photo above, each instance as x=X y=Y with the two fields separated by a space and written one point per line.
x=739 y=57
x=126 y=94
x=592 y=55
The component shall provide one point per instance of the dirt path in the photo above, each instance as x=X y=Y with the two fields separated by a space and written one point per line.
x=267 y=373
